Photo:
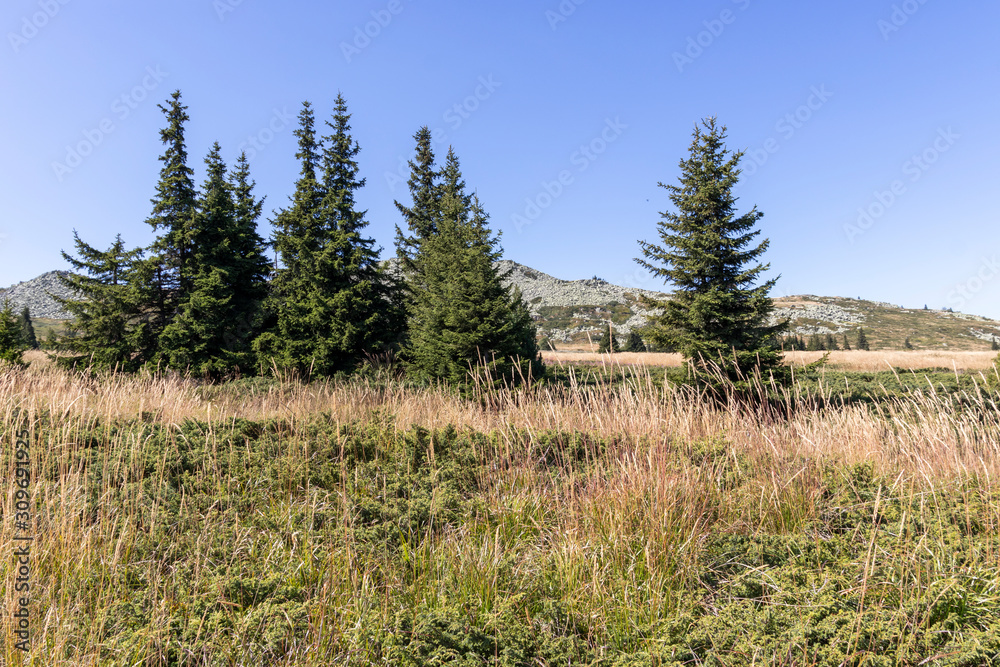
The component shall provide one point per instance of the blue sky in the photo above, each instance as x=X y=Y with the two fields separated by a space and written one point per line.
x=871 y=127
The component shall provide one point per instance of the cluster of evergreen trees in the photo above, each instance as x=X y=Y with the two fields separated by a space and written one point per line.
x=608 y=344
x=203 y=297
x=17 y=334
x=828 y=342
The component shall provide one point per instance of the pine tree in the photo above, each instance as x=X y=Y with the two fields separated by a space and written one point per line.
x=110 y=326
x=27 y=329
x=226 y=273
x=333 y=301
x=173 y=217
x=462 y=315
x=815 y=344
x=607 y=344
x=251 y=268
x=715 y=315
x=907 y=345
x=420 y=218
x=847 y=344
x=830 y=343
x=634 y=343
x=862 y=342
x=994 y=346
x=364 y=309
x=11 y=345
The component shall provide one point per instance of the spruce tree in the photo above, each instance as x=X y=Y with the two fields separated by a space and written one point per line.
x=862 y=342
x=226 y=273
x=462 y=315
x=363 y=305
x=27 y=329
x=296 y=241
x=334 y=302
x=422 y=216
x=830 y=342
x=251 y=268
x=11 y=345
x=847 y=344
x=607 y=344
x=173 y=218
x=110 y=326
x=716 y=314
x=634 y=343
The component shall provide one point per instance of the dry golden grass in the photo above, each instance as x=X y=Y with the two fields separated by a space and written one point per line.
x=849 y=360
x=584 y=522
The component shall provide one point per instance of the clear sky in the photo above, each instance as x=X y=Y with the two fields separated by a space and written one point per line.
x=870 y=125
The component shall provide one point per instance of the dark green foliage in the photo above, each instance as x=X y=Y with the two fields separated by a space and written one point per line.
x=333 y=302
x=111 y=326
x=793 y=343
x=194 y=338
x=27 y=329
x=421 y=218
x=862 y=340
x=174 y=216
x=634 y=343
x=847 y=343
x=715 y=315
x=261 y=523
x=606 y=344
x=830 y=343
x=815 y=344
x=462 y=317
x=11 y=342
x=994 y=345
x=907 y=345
x=209 y=334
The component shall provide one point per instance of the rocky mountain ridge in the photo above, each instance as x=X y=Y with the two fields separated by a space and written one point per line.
x=571 y=312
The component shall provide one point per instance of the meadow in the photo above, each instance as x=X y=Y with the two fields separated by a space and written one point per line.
x=621 y=520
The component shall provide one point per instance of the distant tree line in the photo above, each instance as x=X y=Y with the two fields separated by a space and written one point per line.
x=203 y=298
x=828 y=342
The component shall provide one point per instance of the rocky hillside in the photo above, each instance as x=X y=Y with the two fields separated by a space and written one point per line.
x=36 y=294
x=568 y=311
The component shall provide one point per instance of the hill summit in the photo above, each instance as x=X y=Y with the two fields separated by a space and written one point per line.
x=36 y=294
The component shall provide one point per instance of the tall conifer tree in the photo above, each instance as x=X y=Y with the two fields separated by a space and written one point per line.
x=109 y=328
x=11 y=345
x=334 y=301
x=226 y=281
x=462 y=315
x=27 y=329
x=173 y=217
x=716 y=314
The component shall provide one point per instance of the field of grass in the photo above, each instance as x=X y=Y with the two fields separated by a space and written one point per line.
x=267 y=522
x=851 y=360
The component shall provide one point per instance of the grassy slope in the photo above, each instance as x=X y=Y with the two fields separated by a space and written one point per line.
x=266 y=523
x=886 y=327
